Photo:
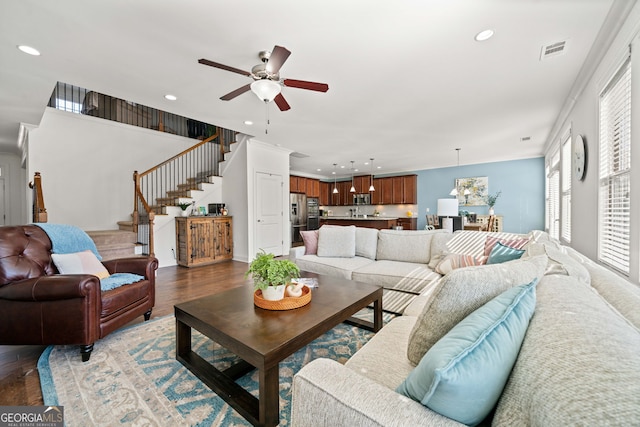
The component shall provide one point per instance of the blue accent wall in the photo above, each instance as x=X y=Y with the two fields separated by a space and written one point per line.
x=522 y=202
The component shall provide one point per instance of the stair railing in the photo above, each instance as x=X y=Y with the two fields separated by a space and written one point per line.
x=186 y=169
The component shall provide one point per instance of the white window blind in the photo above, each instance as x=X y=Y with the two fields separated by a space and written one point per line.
x=565 y=222
x=615 y=171
x=553 y=194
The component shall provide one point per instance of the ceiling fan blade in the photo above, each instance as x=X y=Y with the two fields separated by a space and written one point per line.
x=236 y=92
x=278 y=57
x=301 y=84
x=223 y=67
x=282 y=103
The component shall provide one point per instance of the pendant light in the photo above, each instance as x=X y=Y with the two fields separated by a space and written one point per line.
x=454 y=192
x=353 y=188
x=371 y=187
x=335 y=185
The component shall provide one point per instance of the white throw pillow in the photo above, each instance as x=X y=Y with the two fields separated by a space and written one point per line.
x=366 y=242
x=84 y=262
x=337 y=241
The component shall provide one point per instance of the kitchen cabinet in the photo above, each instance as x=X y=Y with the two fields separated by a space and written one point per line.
x=386 y=185
x=362 y=183
x=376 y=196
x=379 y=223
x=325 y=193
x=203 y=240
x=410 y=189
x=312 y=187
x=394 y=190
x=397 y=185
x=408 y=223
x=297 y=184
x=301 y=184
x=346 y=197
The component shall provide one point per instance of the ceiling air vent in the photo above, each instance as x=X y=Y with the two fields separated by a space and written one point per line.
x=298 y=155
x=554 y=49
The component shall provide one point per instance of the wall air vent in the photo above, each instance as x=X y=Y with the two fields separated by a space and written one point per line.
x=554 y=49
x=298 y=155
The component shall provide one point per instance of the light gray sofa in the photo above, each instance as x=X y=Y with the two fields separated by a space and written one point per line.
x=578 y=365
x=398 y=260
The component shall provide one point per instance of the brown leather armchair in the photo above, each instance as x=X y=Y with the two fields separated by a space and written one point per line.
x=40 y=306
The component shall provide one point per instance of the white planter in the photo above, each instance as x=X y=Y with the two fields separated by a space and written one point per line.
x=273 y=293
x=491 y=211
x=186 y=211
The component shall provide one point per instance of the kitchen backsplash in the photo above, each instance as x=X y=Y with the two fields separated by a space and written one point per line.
x=384 y=210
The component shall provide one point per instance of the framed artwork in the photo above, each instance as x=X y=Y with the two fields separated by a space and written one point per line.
x=476 y=189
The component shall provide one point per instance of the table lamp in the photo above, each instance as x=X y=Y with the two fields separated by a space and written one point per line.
x=446 y=209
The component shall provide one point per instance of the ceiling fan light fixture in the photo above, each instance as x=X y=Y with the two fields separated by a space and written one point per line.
x=266 y=89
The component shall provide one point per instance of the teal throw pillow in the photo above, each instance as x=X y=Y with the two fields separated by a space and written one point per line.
x=462 y=376
x=501 y=253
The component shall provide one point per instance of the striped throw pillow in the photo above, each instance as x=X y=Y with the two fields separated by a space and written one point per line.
x=512 y=243
x=453 y=261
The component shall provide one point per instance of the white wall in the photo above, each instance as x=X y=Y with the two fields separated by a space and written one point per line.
x=234 y=195
x=87 y=166
x=15 y=190
x=583 y=119
x=251 y=156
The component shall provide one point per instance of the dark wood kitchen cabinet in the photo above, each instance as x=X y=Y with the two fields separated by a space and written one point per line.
x=410 y=189
x=312 y=187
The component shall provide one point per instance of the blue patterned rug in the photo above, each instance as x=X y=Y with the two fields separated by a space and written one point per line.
x=134 y=378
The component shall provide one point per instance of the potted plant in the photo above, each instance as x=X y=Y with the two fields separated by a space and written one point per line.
x=491 y=201
x=271 y=275
x=184 y=206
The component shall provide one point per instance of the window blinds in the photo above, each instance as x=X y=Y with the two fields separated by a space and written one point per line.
x=615 y=171
x=565 y=223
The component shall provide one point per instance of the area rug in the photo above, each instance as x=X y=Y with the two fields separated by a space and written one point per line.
x=133 y=377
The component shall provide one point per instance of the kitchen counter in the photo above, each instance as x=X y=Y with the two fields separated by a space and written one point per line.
x=360 y=218
x=379 y=222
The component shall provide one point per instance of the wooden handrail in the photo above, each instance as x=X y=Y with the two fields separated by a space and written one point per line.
x=158 y=166
x=39 y=211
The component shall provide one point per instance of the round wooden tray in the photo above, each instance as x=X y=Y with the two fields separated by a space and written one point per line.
x=287 y=303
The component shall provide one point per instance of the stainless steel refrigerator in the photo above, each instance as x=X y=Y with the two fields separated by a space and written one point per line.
x=297 y=215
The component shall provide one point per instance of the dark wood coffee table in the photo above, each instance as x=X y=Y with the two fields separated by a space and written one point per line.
x=262 y=338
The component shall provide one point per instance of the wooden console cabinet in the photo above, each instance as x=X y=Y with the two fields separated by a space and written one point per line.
x=203 y=240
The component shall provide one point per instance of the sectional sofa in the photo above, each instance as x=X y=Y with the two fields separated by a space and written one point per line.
x=550 y=339
x=398 y=260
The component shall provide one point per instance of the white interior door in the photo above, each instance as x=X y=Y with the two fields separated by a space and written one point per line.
x=269 y=215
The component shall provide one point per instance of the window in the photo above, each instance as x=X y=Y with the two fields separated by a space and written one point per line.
x=552 y=195
x=565 y=209
x=615 y=171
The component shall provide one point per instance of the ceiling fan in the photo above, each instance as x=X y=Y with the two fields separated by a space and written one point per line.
x=267 y=84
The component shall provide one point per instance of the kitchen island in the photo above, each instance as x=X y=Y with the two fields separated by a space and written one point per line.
x=379 y=222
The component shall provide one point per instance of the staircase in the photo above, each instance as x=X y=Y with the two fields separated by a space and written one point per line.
x=114 y=244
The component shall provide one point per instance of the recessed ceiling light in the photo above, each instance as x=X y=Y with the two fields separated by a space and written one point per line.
x=248 y=122
x=484 y=35
x=171 y=97
x=29 y=50
x=318 y=170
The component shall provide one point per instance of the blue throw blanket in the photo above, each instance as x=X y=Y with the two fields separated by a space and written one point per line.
x=118 y=279
x=68 y=239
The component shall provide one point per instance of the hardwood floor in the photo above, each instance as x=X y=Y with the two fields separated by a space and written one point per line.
x=19 y=379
